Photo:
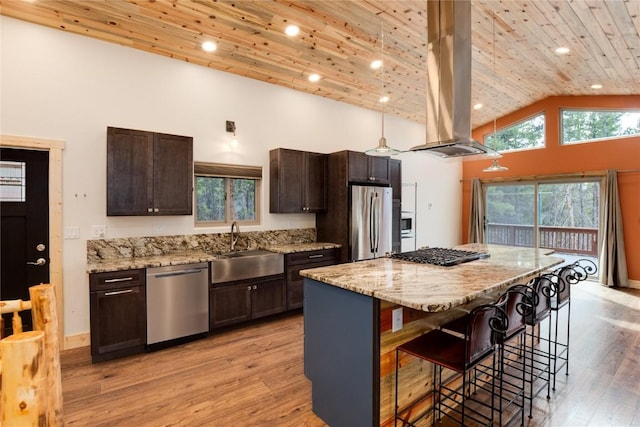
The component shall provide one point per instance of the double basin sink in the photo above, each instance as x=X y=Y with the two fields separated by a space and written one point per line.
x=247 y=264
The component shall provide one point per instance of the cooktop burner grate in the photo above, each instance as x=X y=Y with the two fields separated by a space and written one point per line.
x=440 y=256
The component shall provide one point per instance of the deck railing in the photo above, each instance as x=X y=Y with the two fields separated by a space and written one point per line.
x=573 y=240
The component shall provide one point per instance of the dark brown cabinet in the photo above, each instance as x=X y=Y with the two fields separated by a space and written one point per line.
x=236 y=302
x=346 y=168
x=118 y=314
x=295 y=262
x=368 y=169
x=148 y=173
x=297 y=181
x=395 y=175
x=395 y=168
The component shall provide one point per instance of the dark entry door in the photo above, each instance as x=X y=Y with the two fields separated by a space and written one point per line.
x=24 y=230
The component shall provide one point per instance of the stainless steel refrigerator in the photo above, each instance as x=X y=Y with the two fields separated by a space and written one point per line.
x=370 y=222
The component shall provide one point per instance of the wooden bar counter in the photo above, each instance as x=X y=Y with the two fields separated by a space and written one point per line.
x=349 y=346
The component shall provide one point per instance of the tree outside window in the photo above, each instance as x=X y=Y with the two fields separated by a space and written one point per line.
x=590 y=125
x=221 y=197
x=526 y=134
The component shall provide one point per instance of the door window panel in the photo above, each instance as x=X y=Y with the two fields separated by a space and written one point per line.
x=510 y=215
x=12 y=181
x=560 y=216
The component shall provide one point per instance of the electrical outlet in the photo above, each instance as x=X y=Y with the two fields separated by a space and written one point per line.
x=72 y=232
x=396 y=319
x=98 y=231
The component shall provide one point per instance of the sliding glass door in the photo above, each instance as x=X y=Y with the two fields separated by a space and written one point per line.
x=559 y=216
x=510 y=215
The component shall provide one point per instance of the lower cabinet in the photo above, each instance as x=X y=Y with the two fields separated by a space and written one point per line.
x=236 y=302
x=118 y=314
x=297 y=261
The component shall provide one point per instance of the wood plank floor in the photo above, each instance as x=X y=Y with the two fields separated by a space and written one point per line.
x=253 y=376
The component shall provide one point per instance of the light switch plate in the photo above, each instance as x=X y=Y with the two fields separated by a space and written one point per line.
x=98 y=231
x=396 y=319
x=72 y=232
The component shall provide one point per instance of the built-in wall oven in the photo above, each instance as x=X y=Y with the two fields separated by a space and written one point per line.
x=177 y=302
x=406 y=226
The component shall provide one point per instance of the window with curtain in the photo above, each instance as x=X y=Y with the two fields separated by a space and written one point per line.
x=226 y=193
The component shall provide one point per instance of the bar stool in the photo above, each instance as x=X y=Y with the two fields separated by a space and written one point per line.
x=564 y=277
x=520 y=302
x=461 y=355
x=539 y=358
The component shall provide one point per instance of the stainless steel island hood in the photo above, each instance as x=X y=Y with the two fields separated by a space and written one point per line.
x=449 y=81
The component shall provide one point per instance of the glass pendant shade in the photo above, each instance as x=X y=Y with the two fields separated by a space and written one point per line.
x=495 y=167
x=382 y=149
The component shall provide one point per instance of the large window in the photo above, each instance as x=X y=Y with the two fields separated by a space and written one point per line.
x=593 y=125
x=227 y=193
x=519 y=136
x=560 y=216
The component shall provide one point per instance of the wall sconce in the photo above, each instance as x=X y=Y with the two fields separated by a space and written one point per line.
x=231 y=128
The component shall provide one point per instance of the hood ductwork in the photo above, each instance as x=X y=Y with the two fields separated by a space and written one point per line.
x=449 y=81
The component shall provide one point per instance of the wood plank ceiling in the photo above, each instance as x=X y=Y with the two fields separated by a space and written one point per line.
x=339 y=39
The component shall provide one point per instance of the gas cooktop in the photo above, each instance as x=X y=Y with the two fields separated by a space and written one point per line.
x=440 y=256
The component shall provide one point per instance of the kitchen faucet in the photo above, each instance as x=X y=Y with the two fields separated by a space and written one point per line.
x=235 y=233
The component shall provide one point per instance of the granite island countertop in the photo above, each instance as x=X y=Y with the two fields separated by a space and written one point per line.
x=433 y=288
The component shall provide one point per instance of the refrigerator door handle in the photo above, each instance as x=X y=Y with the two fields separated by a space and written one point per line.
x=375 y=224
x=371 y=222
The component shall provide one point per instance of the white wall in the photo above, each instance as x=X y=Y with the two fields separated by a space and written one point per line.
x=62 y=86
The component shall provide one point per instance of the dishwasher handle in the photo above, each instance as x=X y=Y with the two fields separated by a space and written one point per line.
x=179 y=272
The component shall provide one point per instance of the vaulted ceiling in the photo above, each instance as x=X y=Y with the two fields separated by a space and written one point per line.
x=514 y=60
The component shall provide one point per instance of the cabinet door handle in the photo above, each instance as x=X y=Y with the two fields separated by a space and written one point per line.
x=255 y=287
x=149 y=210
x=316 y=256
x=122 y=279
x=156 y=210
x=249 y=287
x=126 y=291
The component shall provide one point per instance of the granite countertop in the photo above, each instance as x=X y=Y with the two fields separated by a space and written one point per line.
x=187 y=257
x=300 y=247
x=433 y=288
x=190 y=257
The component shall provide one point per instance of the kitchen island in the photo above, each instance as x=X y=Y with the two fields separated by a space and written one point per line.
x=350 y=343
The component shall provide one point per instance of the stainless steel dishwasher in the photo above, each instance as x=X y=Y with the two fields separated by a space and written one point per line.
x=177 y=302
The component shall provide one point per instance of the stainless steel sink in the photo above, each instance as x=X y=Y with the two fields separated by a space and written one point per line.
x=241 y=265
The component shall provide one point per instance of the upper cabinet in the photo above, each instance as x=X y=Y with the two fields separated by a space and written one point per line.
x=148 y=173
x=368 y=169
x=297 y=181
x=395 y=175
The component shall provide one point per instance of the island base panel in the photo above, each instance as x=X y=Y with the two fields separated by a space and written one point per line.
x=341 y=354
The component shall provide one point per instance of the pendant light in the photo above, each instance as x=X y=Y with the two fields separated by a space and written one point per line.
x=382 y=149
x=495 y=166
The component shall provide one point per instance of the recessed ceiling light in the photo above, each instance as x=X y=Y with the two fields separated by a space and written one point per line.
x=376 y=64
x=209 y=46
x=292 y=30
x=596 y=86
x=384 y=99
x=314 y=77
x=477 y=106
x=562 y=50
